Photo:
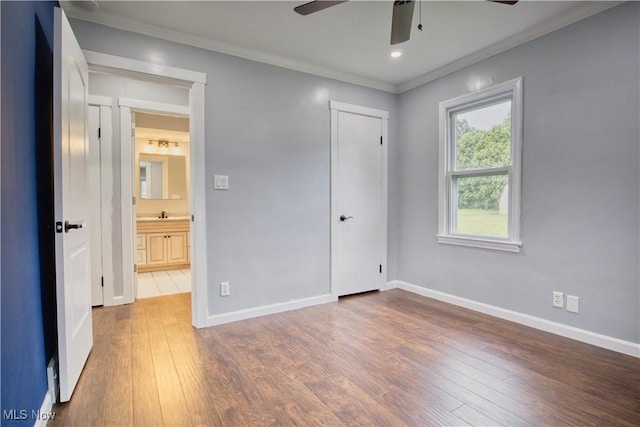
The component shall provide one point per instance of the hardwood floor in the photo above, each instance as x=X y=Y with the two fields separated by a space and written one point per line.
x=384 y=358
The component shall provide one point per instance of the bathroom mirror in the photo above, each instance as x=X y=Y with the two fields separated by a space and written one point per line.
x=162 y=177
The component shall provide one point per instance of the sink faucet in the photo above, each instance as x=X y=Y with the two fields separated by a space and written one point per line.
x=163 y=214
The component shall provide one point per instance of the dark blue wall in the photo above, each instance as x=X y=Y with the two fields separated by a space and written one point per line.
x=27 y=295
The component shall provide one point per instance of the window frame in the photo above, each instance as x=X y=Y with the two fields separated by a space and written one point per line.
x=447 y=196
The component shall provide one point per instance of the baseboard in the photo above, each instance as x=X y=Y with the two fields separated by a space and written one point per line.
x=599 y=340
x=393 y=284
x=264 y=310
x=46 y=412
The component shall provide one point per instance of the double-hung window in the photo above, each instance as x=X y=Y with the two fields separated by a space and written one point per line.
x=480 y=157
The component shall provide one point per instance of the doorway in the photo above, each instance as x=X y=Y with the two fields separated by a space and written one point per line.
x=162 y=222
x=194 y=82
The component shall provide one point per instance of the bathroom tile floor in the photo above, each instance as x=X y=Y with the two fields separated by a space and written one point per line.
x=167 y=282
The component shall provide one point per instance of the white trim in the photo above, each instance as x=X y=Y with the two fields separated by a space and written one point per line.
x=391 y=284
x=480 y=243
x=105 y=62
x=333 y=195
x=127 y=146
x=357 y=109
x=265 y=310
x=514 y=88
x=106 y=178
x=46 y=409
x=198 y=235
x=384 y=194
x=590 y=8
x=153 y=107
x=336 y=107
x=100 y=101
x=582 y=335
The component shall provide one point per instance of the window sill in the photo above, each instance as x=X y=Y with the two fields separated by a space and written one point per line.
x=497 y=245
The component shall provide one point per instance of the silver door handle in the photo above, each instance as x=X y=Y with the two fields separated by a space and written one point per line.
x=72 y=226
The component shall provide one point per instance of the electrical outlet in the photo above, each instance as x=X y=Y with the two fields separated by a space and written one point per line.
x=573 y=303
x=558 y=299
x=224 y=289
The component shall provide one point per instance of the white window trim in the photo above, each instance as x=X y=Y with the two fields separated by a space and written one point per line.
x=513 y=242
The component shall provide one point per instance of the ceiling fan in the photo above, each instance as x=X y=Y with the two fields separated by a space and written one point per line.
x=402 y=15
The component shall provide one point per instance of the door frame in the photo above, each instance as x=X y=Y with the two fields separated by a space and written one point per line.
x=195 y=82
x=336 y=108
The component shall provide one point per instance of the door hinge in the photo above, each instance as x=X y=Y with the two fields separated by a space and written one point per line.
x=99 y=133
x=380 y=139
x=133 y=200
x=192 y=218
x=102 y=281
x=133 y=131
x=135 y=268
x=380 y=268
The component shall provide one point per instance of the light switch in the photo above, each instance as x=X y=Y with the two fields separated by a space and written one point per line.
x=220 y=182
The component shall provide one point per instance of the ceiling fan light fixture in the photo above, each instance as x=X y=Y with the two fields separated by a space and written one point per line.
x=401 y=21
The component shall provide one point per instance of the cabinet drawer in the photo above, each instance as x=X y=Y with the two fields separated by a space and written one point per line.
x=141 y=257
x=141 y=241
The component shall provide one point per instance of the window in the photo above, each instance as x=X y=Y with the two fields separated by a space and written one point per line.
x=480 y=151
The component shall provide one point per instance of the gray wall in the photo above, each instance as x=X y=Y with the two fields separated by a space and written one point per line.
x=580 y=211
x=268 y=129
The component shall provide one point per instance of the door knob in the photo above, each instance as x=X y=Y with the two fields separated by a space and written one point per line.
x=72 y=226
x=344 y=218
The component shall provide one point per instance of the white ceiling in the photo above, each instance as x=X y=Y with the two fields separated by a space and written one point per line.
x=349 y=41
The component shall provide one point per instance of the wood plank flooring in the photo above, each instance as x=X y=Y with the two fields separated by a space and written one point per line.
x=378 y=359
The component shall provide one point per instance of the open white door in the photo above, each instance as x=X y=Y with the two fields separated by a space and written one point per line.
x=70 y=153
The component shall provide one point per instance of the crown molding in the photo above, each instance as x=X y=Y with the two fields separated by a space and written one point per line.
x=121 y=23
x=558 y=22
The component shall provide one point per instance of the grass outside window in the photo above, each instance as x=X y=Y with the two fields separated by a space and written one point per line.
x=482 y=222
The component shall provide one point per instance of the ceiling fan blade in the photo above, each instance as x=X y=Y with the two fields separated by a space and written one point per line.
x=316 y=6
x=509 y=2
x=401 y=22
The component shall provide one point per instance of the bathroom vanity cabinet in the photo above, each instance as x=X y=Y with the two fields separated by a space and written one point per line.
x=162 y=244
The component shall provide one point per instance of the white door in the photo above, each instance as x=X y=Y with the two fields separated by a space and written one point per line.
x=73 y=258
x=358 y=209
x=95 y=204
